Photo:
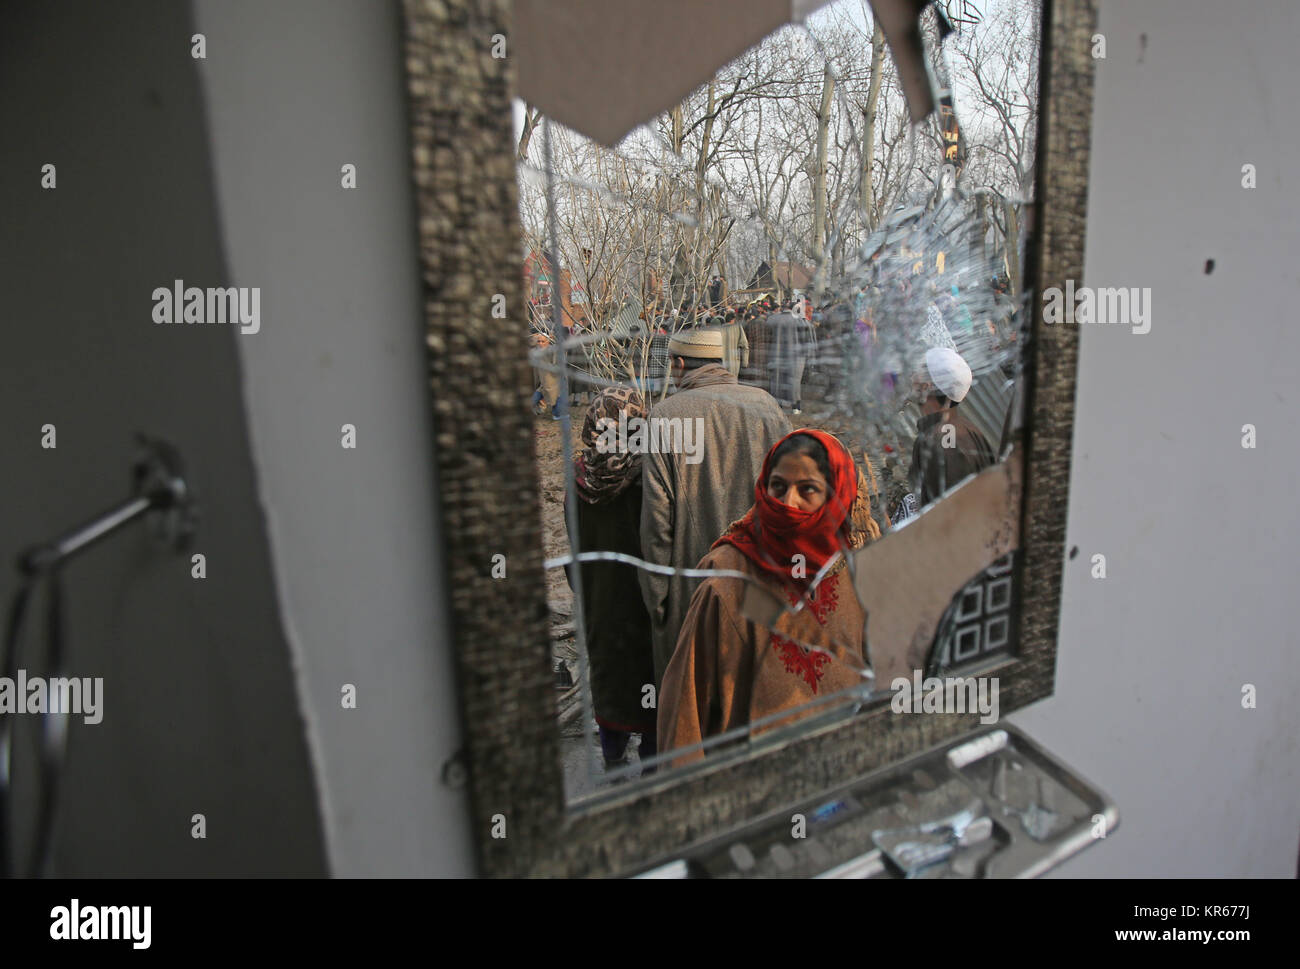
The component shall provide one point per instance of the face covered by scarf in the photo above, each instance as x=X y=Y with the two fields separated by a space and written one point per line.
x=772 y=533
x=602 y=474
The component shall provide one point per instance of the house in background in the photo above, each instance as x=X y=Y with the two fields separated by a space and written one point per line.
x=538 y=283
x=784 y=277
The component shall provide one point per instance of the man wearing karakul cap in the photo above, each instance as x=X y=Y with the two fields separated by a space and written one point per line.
x=686 y=506
x=948 y=447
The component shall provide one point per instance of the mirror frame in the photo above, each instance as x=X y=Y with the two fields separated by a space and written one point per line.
x=470 y=250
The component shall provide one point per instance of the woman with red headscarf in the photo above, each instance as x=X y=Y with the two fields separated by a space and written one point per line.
x=810 y=502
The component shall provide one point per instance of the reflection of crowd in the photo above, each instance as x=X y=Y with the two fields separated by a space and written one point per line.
x=675 y=659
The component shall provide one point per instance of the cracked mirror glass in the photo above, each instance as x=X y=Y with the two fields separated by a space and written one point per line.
x=775 y=337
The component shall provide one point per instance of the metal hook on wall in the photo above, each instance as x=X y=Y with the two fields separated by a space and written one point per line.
x=160 y=492
x=162 y=496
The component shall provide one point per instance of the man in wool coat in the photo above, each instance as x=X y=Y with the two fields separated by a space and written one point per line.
x=689 y=499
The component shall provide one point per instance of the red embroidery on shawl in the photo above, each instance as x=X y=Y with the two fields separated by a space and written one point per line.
x=804 y=662
x=828 y=597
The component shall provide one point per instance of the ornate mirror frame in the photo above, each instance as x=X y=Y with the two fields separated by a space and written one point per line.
x=464 y=169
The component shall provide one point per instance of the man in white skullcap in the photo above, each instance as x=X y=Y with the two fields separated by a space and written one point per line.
x=689 y=499
x=948 y=447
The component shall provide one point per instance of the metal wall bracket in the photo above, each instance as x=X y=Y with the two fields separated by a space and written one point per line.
x=160 y=494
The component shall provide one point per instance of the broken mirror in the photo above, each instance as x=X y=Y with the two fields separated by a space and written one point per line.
x=776 y=365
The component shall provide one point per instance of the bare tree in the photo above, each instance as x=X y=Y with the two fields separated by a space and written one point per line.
x=532 y=116
x=797 y=151
x=819 y=171
x=869 y=125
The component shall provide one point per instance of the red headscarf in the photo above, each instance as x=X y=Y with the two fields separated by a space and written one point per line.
x=772 y=533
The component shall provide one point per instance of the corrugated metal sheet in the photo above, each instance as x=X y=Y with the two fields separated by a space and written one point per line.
x=986 y=404
x=627 y=321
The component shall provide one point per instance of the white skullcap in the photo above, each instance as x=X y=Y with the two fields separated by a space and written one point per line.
x=949 y=372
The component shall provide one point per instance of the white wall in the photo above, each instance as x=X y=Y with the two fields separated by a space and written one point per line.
x=295 y=90
x=200 y=703
x=1200 y=535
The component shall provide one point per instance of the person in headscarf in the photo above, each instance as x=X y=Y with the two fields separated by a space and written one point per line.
x=810 y=503
x=608 y=483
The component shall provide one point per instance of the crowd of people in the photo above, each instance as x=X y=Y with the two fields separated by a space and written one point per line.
x=769 y=501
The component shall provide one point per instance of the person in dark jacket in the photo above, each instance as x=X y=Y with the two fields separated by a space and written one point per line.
x=619 y=646
x=791 y=344
x=948 y=447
